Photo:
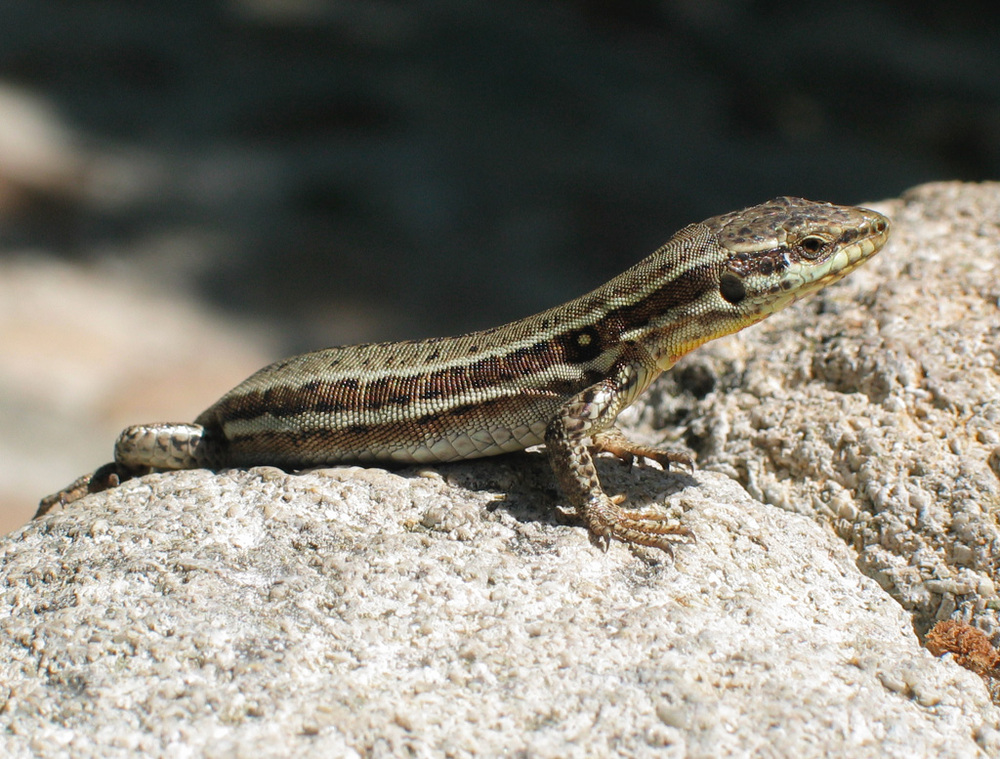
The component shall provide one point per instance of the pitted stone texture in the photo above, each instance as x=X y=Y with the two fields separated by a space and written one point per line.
x=875 y=406
x=358 y=612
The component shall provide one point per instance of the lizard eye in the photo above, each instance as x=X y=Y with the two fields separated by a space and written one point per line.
x=731 y=287
x=811 y=246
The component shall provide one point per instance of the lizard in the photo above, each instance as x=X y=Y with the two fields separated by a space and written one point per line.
x=558 y=378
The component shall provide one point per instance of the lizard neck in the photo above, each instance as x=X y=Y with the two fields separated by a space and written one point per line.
x=661 y=308
x=721 y=275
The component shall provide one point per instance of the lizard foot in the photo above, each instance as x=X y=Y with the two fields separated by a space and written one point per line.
x=613 y=441
x=606 y=519
x=107 y=476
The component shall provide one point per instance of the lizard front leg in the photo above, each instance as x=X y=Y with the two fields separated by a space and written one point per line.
x=591 y=414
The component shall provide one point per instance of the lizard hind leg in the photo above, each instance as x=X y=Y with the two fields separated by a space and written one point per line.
x=162 y=446
x=139 y=450
x=107 y=476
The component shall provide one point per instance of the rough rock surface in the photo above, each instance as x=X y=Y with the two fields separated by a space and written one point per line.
x=75 y=370
x=875 y=407
x=362 y=612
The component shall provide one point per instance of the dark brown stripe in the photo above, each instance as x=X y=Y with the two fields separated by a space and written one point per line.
x=354 y=394
x=687 y=287
x=300 y=448
x=575 y=346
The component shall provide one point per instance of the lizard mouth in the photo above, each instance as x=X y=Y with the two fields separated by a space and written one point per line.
x=805 y=276
x=849 y=257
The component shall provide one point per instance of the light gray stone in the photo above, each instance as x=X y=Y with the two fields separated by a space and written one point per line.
x=875 y=407
x=361 y=612
x=273 y=614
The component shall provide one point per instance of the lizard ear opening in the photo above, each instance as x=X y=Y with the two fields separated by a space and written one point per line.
x=731 y=287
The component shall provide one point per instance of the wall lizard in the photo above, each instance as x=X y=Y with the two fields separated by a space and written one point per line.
x=558 y=378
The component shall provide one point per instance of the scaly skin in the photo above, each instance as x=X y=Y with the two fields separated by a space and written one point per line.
x=560 y=377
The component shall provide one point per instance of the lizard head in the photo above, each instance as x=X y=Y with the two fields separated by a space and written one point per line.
x=731 y=271
x=787 y=248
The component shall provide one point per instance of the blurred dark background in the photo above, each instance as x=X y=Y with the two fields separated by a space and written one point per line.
x=354 y=171
x=191 y=189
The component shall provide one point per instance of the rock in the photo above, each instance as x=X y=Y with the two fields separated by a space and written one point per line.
x=875 y=406
x=353 y=611
x=843 y=498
